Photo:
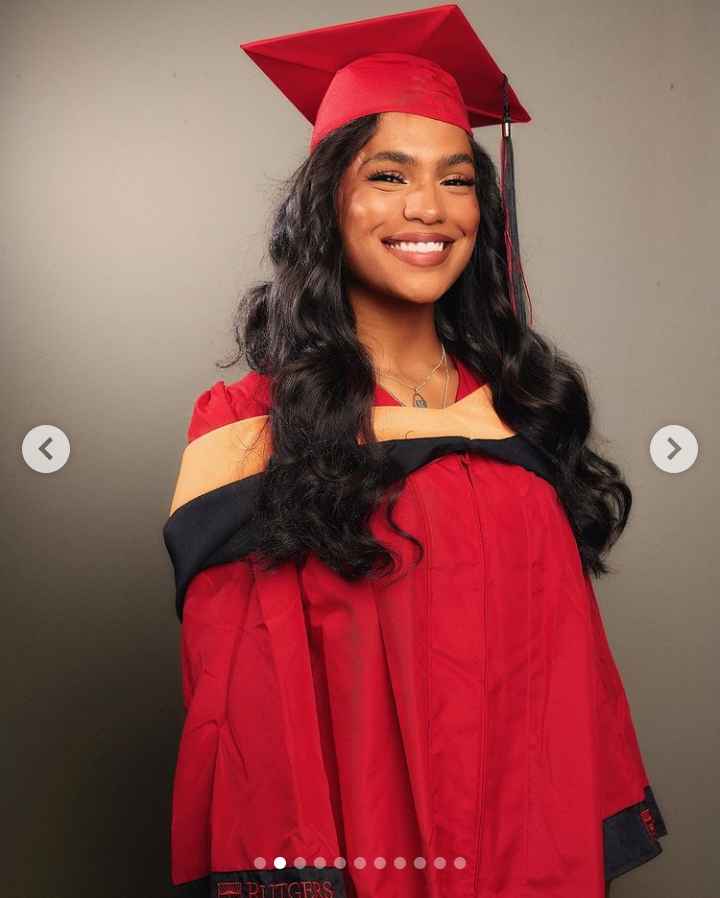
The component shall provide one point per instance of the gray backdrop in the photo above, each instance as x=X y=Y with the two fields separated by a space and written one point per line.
x=139 y=149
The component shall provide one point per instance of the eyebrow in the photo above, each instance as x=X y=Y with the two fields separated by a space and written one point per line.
x=406 y=159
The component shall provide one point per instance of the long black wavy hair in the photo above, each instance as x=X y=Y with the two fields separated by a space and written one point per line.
x=327 y=472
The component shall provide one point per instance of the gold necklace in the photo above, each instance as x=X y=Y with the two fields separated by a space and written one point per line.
x=418 y=399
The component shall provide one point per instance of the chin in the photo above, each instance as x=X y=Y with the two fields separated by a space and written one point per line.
x=420 y=286
x=420 y=294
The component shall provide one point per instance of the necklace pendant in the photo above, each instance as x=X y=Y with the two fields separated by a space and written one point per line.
x=419 y=401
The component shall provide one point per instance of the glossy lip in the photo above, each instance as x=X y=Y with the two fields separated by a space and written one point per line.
x=420 y=260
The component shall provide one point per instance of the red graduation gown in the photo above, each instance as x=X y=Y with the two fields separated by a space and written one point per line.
x=466 y=718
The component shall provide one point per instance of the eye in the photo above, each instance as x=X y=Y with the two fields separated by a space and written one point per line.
x=394 y=177
x=385 y=176
x=460 y=182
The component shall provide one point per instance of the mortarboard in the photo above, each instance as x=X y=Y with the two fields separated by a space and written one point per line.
x=427 y=62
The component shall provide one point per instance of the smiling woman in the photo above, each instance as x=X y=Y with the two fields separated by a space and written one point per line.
x=395 y=669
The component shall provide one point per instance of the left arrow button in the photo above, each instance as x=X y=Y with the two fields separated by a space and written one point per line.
x=45 y=448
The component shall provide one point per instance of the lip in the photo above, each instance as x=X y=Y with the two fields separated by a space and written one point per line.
x=421 y=260
x=420 y=237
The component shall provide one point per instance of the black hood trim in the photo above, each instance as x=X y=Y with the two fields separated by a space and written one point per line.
x=216 y=527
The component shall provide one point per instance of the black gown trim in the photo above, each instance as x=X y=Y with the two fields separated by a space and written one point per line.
x=216 y=527
x=311 y=881
x=630 y=838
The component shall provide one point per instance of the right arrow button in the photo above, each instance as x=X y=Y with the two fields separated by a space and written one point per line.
x=674 y=448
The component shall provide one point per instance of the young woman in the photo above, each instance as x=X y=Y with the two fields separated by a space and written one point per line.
x=395 y=671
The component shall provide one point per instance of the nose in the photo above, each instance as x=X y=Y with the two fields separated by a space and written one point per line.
x=424 y=203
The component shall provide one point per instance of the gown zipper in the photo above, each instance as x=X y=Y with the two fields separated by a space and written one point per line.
x=465 y=462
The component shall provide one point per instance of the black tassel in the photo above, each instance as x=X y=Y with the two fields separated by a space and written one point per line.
x=517 y=287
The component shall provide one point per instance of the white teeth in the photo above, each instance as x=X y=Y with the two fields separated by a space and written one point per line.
x=418 y=247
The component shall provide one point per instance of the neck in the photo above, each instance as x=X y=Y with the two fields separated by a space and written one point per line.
x=399 y=335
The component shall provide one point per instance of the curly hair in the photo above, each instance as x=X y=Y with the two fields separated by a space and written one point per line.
x=322 y=483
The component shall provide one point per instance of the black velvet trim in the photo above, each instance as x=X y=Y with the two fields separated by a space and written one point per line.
x=216 y=528
x=205 y=530
x=410 y=454
x=631 y=836
x=289 y=882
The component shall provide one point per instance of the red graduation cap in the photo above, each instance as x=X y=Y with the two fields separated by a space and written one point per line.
x=427 y=62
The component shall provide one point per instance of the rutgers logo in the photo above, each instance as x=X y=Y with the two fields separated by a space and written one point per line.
x=305 y=888
x=647 y=819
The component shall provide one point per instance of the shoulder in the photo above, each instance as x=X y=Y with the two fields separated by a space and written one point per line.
x=223 y=403
x=227 y=438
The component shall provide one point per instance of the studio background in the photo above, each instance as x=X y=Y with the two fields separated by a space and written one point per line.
x=141 y=149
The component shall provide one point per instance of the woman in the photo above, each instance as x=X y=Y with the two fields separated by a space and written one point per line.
x=394 y=666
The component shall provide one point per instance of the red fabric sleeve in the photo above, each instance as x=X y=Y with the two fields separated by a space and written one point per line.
x=215 y=607
x=250 y=752
x=217 y=603
x=623 y=776
x=215 y=407
x=250 y=777
x=222 y=404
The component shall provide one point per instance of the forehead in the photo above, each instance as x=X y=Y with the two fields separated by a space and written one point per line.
x=424 y=138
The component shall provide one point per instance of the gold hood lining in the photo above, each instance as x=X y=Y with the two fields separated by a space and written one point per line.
x=242 y=448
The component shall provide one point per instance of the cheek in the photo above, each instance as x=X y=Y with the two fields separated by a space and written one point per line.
x=362 y=228
x=469 y=217
x=365 y=211
x=469 y=220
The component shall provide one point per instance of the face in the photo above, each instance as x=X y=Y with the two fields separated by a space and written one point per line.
x=407 y=209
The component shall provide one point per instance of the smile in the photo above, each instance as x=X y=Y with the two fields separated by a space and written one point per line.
x=423 y=254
